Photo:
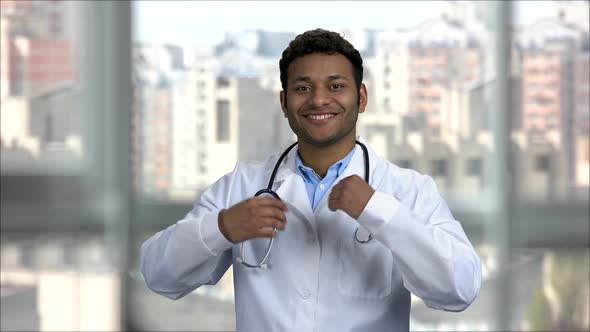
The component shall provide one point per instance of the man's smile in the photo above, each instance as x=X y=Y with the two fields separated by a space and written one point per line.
x=320 y=118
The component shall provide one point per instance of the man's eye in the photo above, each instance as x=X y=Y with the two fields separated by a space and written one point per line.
x=302 y=88
x=337 y=86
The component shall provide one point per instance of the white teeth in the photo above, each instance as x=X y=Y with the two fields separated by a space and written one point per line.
x=320 y=116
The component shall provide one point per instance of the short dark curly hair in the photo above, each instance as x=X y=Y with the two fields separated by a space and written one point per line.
x=321 y=41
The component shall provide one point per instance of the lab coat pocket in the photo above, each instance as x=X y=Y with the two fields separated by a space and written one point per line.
x=364 y=269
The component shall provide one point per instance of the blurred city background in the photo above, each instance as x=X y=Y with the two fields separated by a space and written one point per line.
x=116 y=115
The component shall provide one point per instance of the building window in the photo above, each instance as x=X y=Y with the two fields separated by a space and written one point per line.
x=439 y=167
x=474 y=166
x=222 y=121
x=435 y=131
x=222 y=82
x=542 y=163
x=405 y=163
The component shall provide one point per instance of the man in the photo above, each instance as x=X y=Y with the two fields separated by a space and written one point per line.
x=346 y=253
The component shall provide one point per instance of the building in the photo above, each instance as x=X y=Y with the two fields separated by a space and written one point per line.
x=554 y=74
x=540 y=171
x=185 y=131
x=37 y=47
x=574 y=13
x=38 y=77
x=152 y=127
x=415 y=68
x=263 y=130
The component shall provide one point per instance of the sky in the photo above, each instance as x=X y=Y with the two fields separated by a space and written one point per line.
x=202 y=24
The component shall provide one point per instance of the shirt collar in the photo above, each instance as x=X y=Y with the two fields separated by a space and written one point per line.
x=309 y=174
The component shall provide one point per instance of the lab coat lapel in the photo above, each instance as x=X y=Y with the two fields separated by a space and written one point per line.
x=291 y=189
x=355 y=166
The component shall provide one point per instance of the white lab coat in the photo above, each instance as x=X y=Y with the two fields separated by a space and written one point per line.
x=319 y=278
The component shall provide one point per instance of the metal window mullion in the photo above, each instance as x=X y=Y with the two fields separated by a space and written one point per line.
x=107 y=109
x=498 y=226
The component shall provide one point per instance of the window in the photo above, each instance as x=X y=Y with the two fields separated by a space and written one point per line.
x=405 y=163
x=474 y=198
x=439 y=167
x=64 y=187
x=473 y=167
x=222 y=82
x=73 y=151
x=542 y=163
x=223 y=121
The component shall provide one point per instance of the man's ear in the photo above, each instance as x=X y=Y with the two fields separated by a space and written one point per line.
x=283 y=99
x=363 y=98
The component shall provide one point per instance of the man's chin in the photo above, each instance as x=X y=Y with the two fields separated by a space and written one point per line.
x=321 y=142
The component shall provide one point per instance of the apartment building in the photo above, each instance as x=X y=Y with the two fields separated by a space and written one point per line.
x=551 y=52
x=38 y=78
x=581 y=97
x=553 y=57
x=540 y=171
x=36 y=48
x=414 y=69
x=153 y=122
x=204 y=132
x=573 y=12
x=263 y=130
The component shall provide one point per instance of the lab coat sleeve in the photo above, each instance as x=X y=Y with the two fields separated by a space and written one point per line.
x=193 y=252
x=436 y=260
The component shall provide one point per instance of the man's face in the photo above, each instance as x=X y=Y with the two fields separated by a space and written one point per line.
x=321 y=100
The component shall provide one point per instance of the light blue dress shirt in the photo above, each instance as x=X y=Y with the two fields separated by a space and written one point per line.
x=316 y=186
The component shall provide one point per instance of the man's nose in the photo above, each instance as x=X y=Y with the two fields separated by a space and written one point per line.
x=320 y=97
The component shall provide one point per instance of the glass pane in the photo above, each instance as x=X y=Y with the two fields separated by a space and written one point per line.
x=61 y=257
x=549 y=149
x=551 y=101
x=40 y=85
x=208 y=71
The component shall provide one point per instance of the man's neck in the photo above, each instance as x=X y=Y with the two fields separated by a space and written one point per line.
x=321 y=158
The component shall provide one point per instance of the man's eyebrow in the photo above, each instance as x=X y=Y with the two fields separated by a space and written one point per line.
x=336 y=77
x=308 y=79
x=302 y=79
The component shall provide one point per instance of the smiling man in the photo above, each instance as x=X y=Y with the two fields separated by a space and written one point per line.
x=339 y=238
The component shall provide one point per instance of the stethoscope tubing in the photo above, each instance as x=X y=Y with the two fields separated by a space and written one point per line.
x=268 y=190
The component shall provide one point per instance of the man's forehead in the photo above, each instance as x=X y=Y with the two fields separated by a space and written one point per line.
x=320 y=66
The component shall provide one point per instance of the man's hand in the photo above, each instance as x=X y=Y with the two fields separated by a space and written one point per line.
x=252 y=218
x=350 y=195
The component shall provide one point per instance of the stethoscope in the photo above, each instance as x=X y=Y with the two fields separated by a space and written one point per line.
x=268 y=190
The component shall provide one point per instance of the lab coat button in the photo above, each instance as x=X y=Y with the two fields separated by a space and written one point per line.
x=306 y=294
